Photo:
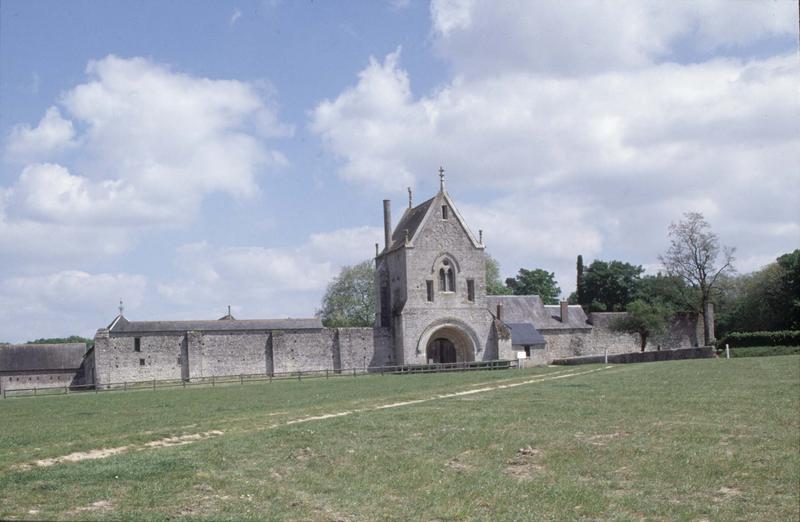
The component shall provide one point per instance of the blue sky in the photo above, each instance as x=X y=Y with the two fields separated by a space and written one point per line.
x=185 y=156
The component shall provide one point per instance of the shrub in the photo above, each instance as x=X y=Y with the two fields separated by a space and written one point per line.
x=779 y=338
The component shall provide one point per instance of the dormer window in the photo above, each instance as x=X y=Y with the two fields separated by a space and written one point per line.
x=444 y=211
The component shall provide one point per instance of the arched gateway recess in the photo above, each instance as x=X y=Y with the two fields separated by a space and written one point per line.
x=448 y=343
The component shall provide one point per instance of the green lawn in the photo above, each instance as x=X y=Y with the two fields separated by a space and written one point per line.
x=686 y=440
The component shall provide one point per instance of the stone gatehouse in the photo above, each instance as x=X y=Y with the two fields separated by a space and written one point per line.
x=431 y=306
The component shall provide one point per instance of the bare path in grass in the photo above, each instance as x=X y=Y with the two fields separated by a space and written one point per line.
x=180 y=440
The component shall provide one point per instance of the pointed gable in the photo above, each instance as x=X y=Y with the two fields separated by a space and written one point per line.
x=414 y=221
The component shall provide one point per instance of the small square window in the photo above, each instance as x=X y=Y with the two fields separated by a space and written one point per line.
x=429 y=288
x=137 y=344
x=444 y=211
x=141 y=362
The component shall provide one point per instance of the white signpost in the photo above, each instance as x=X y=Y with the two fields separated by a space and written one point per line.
x=520 y=359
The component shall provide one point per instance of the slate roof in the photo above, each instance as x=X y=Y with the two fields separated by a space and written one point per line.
x=525 y=334
x=530 y=309
x=123 y=326
x=33 y=357
x=411 y=220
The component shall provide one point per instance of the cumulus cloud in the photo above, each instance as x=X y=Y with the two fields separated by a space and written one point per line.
x=261 y=281
x=482 y=38
x=630 y=137
x=53 y=134
x=153 y=143
x=63 y=303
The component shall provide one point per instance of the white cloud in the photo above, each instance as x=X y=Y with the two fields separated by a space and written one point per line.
x=482 y=37
x=52 y=135
x=153 y=144
x=264 y=282
x=63 y=303
x=235 y=17
x=594 y=158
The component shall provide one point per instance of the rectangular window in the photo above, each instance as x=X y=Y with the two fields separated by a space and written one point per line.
x=471 y=290
x=527 y=351
x=137 y=344
x=141 y=362
x=444 y=211
x=429 y=288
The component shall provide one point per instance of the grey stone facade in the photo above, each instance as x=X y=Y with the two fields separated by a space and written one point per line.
x=431 y=306
x=28 y=366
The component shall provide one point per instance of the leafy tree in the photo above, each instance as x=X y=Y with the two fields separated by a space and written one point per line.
x=350 y=298
x=579 y=281
x=662 y=288
x=608 y=286
x=788 y=298
x=646 y=319
x=693 y=256
x=764 y=300
x=535 y=282
x=494 y=285
x=64 y=340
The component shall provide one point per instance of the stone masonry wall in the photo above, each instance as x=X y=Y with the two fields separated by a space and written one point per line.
x=229 y=354
x=37 y=380
x=438 y=238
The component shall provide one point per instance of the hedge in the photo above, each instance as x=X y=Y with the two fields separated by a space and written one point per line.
x=779 y=338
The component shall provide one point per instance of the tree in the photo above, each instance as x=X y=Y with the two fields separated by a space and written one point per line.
x=64 y=340
x=789 y=296
x=767 y=299
x=608 y=286
x=350 y=298
x=494 y=285
x=646 y=319
x=535 y=282
x=579 y=281
x=692 y=256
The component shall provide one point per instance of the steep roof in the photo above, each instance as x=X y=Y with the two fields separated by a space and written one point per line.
x=530 y=309
x=525 y=334
x=414 y=219
x=38 y=357
x=411 y=220
x=134 y=327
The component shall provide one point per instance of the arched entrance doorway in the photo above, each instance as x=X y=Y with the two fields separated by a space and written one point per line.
x=441 y=350
x=448 y=343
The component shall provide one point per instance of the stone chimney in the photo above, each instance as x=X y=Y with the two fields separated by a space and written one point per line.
x=387 y=222
x=500 y=311
x=564 y=312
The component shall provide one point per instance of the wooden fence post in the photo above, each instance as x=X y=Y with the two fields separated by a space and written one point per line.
x=241 y=379
x=213 y=381
x=154 y=384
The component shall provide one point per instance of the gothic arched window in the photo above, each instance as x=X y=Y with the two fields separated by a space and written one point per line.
x=447 y=277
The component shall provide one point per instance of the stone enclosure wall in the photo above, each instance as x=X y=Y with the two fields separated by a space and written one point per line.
x=197 y=355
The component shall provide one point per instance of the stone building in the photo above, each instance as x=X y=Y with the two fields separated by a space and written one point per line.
x=28 y=366
x=431 y=307
x=431 y=287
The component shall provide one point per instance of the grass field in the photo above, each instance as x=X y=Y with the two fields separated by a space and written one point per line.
x=687 y=440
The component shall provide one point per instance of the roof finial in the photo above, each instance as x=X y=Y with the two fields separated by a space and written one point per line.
x=441 y=178
x=409 y=197
x=121 y=308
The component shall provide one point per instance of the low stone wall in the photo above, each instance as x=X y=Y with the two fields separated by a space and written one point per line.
x=194 y=354
x=639 y=357
x=38 y=380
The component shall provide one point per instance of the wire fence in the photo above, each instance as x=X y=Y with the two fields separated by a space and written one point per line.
x=242 y=379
